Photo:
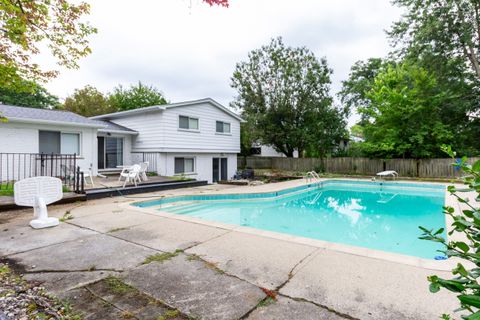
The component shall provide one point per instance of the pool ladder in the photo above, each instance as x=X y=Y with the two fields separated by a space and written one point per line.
x=312 y=176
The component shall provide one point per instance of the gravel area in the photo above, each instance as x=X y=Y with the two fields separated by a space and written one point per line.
x=21 y=300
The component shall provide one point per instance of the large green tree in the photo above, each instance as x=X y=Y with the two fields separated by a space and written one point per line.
x=448 y=28
x=55 y=24
x=35 y=96
x=136 y=96
x=354 y=92
x=404 y=117
x=283 y=92
x=88 y=102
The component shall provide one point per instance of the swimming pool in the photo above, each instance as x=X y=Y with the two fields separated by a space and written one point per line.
x=383 y=216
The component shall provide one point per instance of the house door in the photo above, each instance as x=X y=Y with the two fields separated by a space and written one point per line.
x=110 y=152
x=220 y=169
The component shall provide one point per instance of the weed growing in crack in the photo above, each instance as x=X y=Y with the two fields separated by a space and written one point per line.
x=161 y=257
x=117 y=285
x=266 y=302
x=66 y=216
x=116 y=230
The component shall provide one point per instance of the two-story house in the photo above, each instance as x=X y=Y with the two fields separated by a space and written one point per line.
x=198 y=139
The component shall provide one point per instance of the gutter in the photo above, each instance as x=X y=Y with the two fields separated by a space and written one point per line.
x=59 y=123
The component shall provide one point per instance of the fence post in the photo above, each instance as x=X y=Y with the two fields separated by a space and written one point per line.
x=77 y=179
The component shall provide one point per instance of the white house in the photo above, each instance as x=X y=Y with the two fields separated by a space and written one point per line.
x=198 y=139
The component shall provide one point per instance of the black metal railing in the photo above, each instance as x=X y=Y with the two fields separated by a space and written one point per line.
x=18 y=166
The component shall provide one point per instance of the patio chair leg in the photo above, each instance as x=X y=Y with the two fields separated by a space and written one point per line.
x=91 y=180
x=125 y=182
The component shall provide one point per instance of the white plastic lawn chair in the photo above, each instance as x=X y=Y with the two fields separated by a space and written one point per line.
x=133 y=175
x=88 y=174
x=387 y=173
x=143 y=170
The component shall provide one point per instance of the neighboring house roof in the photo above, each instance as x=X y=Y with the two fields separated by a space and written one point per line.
x=127 y=113
x=46 y=116
x=114 y=128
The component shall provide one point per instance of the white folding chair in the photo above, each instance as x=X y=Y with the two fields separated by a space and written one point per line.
x=133 y=175
x=143 y=170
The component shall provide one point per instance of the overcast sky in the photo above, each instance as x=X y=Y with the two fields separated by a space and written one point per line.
x=188 y=50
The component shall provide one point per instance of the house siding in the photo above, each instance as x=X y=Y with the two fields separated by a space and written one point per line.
x=24 y=138
x=158 y=131
x=203 y=164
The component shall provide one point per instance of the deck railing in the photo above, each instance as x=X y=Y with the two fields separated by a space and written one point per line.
x=18 y=166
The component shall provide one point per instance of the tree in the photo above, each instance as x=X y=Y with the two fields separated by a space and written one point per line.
x=354 y=92
x=36 y=97
x=54 y=23
x=283 y=93
x=88 y=102
x=137 y=96
x=404 y=118
x=449 y=28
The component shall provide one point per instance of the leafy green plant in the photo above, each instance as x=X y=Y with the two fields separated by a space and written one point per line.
x=467 y=223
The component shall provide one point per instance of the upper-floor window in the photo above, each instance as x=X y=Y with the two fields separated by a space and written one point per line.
x=187 y=123
x=223 y=127
x=59 y=142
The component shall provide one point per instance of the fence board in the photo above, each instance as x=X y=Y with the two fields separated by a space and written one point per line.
x=423 y=168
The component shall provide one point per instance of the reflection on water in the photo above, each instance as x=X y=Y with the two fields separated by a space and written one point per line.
x=350 y=208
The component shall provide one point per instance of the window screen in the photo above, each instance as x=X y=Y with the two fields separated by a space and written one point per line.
x=184 y=165
x=70 y=143
x=223 y=127
x=49 y=142
x=187 y=123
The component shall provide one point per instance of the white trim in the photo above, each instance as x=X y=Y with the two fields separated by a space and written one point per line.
x=118 y=131
x=51 y=122
x=167 y=106
x=187 y=150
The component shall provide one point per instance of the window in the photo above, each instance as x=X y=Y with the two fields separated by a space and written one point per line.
x=223 y=127
x=187 y=123
x=184 y=165
x=59 y=142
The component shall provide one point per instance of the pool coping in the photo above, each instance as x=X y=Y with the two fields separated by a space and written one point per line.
x=440 y=265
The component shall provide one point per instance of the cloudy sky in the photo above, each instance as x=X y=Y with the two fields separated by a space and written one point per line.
x=189 y=50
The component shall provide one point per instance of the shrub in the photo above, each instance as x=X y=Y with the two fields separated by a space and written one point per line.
x=465 y=281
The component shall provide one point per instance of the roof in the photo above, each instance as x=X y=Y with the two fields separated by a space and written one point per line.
x=113 y=127
x=127 y=113
x=35 y=115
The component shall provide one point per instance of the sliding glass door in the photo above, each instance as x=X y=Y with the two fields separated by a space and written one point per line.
x=219 y=169
x=110 y=152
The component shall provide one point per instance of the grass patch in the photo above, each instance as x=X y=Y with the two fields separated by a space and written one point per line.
x=6 y=189
x=169 y=314
x=161 y=257
x=117 y=285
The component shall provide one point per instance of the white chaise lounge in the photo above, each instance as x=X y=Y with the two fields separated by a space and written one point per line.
x=387 y=173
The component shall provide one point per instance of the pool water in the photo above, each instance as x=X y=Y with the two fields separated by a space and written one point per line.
x=372 y=215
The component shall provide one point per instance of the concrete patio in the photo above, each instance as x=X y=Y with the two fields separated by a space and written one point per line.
x=210 y=272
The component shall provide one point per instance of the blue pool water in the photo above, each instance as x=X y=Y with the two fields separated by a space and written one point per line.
x=381 y=216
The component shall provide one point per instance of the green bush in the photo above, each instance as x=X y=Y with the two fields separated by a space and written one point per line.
x=465 y=281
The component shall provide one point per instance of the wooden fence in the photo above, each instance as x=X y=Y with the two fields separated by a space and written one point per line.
x=423 y=168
